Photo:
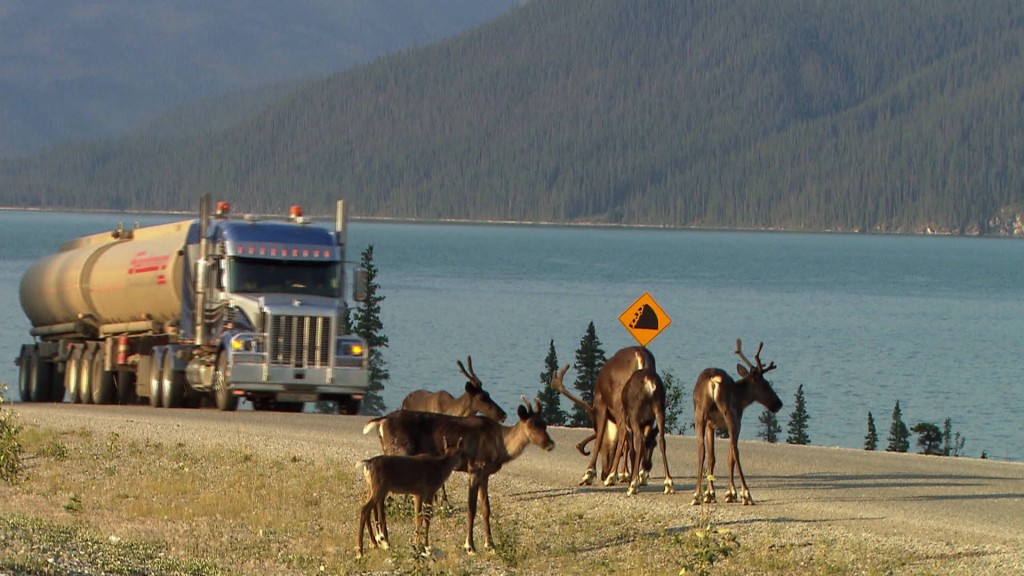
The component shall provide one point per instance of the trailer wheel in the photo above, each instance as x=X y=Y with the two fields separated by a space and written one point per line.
x=172 y=384
x=102 y=382
x=155 y=380
x=85 y=377
x=46 y=371
x=71 y=381
x=225 y=400
x=125 y=385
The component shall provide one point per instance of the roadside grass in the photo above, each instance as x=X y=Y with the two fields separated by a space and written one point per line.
x=89 y=503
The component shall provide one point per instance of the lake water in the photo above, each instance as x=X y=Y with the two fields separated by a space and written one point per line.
x=859 y=321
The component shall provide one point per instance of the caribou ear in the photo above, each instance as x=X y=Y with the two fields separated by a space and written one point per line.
x=470 y=387
x=742 y=370
x=523 y=412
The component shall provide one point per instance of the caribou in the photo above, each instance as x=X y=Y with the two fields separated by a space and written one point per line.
x=612 y=439
x=642 y=414
x=611 y=379
x=486 y=447
x=718 y=404
x=421 y=475
x=475 y=399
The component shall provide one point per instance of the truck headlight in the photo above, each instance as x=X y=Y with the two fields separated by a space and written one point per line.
x=252 y=343
x=349 y=346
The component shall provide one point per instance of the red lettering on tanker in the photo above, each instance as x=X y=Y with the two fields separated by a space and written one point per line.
x=143 y=263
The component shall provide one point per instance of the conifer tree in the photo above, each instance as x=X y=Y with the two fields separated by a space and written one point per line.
x=770 y=428
x=797 y=427
x=367 y=324
x=899 y=435
x=871 y=440
x=929 y=438
x=673 y=404
x=550 y=399
x=589 y=360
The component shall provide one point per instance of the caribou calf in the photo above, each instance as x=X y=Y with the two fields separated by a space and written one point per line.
x=421 y=475
x=718 y=404
x=486 y=447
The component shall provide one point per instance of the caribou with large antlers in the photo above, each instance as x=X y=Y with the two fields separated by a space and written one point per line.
x=718 y=404
x=474 y=399
x=486 y=447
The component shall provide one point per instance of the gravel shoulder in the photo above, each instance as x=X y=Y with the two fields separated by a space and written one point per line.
x=964 y=515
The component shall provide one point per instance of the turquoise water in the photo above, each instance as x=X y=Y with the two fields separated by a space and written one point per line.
x=859 y=321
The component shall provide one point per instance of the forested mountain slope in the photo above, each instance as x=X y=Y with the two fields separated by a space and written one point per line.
x=802 y=114
x=75 y=70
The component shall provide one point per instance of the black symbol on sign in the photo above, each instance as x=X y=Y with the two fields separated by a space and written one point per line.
x=645 y=318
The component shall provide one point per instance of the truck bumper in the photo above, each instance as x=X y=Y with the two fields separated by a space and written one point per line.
x=299 y=384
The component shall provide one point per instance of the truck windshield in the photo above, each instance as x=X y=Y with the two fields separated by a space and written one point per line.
x=257 y=275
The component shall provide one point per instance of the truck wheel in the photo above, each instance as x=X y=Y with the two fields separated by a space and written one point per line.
x=85 y=377
x=39 y=387
x=349 y=405
x=172 y=384
x=225 y=400
x=102 y=382
x=155 y=380
x=24 y=389
x=71 y=381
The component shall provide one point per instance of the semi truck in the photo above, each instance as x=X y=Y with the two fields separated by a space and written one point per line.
x=201 y=312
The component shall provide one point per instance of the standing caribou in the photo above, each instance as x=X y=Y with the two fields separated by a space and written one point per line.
x=718 y=404
x=486 y=447
x=611 y=380
x=474 y=399
x=642 y=412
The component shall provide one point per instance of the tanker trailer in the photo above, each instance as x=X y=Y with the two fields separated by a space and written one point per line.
x=209 y=310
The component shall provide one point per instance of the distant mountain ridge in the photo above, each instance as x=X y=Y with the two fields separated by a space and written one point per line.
x=73 y=70
x=870 y=116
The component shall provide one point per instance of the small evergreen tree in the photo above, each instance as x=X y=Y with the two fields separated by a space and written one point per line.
x=899 y=435
x=952 y=444
x=550 y=399
x=929 y=438
x=871 y=440
x=589 y=360
x=368 y=326
x=770 y=428
x=797 y=427
x=673 y=404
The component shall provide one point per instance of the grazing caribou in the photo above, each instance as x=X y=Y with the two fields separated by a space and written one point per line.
x=612 y=439
x=718 y=404
x=421 y=475
x=642 y=411
x=474 y=399
x=608 y=403
x=486 y=447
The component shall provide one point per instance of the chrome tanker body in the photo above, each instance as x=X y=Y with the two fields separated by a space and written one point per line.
x=215 y=309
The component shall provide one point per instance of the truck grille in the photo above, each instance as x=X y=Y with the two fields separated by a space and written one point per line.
x=300 y=341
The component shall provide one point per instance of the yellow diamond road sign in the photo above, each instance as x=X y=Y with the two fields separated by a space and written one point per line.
x=644 y=319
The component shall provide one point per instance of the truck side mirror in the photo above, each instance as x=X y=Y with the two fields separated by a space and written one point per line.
x=361 y=285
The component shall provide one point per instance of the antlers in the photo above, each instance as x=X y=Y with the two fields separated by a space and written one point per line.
x=471 y=375
x=531 y=410
x=757 y=357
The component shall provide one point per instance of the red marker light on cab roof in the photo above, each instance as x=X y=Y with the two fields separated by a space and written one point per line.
x=223 y=208
x=295 y=212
